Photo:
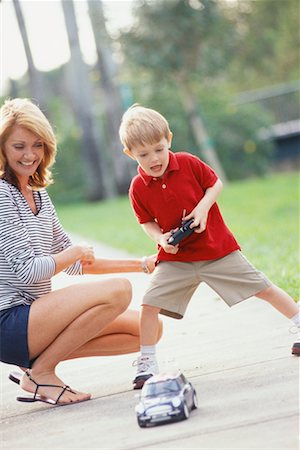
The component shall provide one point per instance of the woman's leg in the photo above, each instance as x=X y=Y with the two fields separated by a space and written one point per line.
x=122 y=336
x=63 y=321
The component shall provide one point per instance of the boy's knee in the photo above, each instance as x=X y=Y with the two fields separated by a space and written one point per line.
x=265 y=293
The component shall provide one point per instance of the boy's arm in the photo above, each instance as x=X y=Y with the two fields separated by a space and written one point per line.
x=104 y=266
x=200 y=212
x=153 y=230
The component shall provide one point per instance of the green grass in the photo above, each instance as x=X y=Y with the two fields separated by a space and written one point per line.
x=262 y=214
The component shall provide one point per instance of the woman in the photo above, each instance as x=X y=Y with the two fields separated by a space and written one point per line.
x=41 y=327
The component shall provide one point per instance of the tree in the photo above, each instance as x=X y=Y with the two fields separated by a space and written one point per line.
x=35 y=79
x=179 y=40
x=268 y=40
x=110 y=93
x=100 y=181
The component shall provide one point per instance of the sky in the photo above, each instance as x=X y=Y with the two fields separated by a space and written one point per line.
x=47 y=35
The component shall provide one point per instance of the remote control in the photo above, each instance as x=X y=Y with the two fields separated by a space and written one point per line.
x=183 y=232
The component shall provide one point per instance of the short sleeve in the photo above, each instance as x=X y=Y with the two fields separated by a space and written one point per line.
x=204 y=173
x=140 y=210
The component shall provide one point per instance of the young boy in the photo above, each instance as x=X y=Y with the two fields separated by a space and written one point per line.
x=171 y=187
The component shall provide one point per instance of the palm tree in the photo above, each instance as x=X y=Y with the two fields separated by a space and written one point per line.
x=110 y=93
x=35 y=79
x=99 y=179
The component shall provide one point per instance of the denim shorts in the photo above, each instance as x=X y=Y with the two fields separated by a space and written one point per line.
x=13 y=336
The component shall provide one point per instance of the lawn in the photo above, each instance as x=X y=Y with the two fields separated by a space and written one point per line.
x=262 y=213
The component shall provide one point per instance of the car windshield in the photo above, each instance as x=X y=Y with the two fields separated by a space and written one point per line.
x=160 y=388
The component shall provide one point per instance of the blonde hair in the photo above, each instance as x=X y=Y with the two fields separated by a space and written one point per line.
x=141 y=126
x=22 y=112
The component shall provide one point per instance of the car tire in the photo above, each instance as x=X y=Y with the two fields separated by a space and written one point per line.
x=142 y=424
x=195 y=401
x=185 y=412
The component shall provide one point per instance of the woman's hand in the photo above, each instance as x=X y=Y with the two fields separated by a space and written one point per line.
x=78 y=252
x=86 y=253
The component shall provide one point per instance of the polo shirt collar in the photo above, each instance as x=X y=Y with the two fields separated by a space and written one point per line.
x=173 y=165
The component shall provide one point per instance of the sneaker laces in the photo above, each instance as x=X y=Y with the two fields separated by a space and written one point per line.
x=143 y=363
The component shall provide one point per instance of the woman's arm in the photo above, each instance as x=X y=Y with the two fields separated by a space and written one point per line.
x=72 y=254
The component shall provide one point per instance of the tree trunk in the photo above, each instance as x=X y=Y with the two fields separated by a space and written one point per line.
x=35 y=79
x=110 y=94
x=199 y=131
x=99 y=179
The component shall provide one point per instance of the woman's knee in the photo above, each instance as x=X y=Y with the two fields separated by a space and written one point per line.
x=122 y=293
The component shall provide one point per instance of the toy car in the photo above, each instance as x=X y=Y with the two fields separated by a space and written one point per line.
x=165 y=398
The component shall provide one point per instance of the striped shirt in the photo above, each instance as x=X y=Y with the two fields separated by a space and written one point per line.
x=27 y=241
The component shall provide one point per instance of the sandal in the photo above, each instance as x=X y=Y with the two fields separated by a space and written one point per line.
x=15 y=377
x=40 y=398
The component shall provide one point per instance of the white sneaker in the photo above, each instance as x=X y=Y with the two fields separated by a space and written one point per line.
x=296 y=345
x=146 y=368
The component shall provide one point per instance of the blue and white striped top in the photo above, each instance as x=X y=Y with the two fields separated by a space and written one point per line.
x=27 y=241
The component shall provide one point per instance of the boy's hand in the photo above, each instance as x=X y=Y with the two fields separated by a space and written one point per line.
x=200 y=218
x=150 y=262
x=200 y=212
x=168 y=248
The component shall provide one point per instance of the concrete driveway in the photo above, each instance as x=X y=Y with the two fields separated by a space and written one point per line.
x=238 y=360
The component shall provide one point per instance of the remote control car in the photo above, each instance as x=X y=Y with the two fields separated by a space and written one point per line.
x=165 y=398
x=183 y=232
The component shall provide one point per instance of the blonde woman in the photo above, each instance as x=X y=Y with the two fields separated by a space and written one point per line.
x=41 y=327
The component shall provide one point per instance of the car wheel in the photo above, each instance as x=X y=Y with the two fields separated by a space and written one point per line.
x=142 y=424
x=185 y=411
x=195 y=401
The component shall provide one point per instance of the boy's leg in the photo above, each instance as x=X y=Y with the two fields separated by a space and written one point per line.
x=171 y=288
x=149 y=325
x=150 y=332
x=280 y=300
x=235 y=279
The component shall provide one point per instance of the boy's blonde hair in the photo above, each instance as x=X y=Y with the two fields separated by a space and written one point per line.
x=22 y=112
x=141 y=126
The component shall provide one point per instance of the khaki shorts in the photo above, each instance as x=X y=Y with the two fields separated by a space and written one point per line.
x=233 y=278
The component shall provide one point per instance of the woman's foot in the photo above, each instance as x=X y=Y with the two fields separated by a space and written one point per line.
x=30 y=379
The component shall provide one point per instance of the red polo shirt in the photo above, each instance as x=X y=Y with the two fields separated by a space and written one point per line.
x=163 y=200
